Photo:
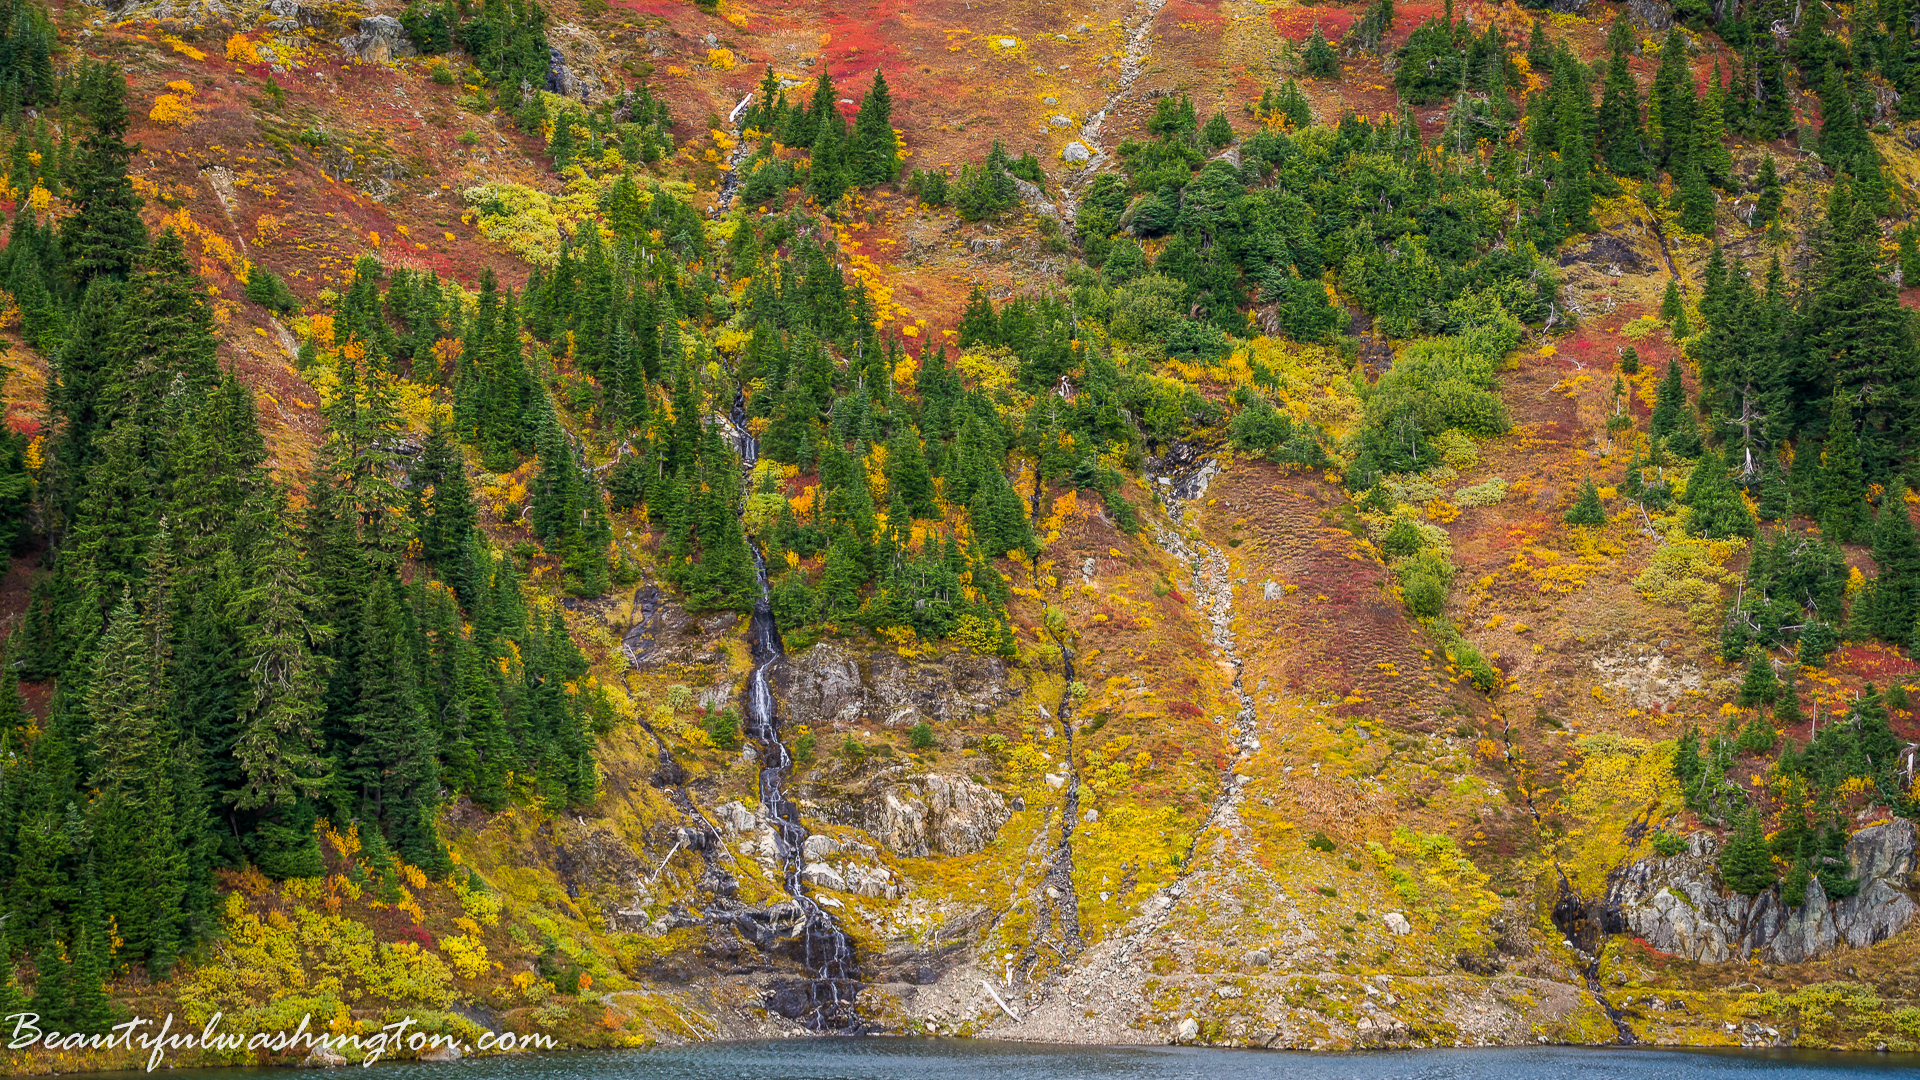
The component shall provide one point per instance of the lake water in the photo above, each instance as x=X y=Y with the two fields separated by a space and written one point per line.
x=930 y=1059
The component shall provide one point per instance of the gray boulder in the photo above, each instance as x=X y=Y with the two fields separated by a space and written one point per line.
x=380 y=40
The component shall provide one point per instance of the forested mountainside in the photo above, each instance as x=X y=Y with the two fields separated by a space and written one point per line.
x=1175 y=520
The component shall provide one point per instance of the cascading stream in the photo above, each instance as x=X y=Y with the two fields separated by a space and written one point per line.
x=825 y=1001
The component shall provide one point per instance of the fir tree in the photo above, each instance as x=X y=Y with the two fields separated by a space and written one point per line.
x=132 y=815
x=1696 y=201
x=105 y=235
x=278 y=747
x=1622 y=144
x=875 y=151
x=1766 y=208
x=1322 y=62
x=1671 y=104
x=1710 y=133
x=1892 y=600
x=1672 y=418
x=1716 y=509
x=1587 y=509
x=1842 y=498
x=1217 y=133
x=1786 y=708
x=394 y=765
x=1851 y=334
x=907 y=474
x=442 y=506
x=1759 y=687
x=1745 y=864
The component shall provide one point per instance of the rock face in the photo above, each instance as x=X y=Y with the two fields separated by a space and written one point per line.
x=828 y=688
x=937 y=814
x=1677 y=906
x=380 y=40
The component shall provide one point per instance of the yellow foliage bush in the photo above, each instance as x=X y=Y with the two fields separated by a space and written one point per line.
x=171 y=109
x=242 y=51
x=479 y=904
x=527 y=221
x=1688 y=573
x=317 y=952
x=468 y=955
x=182 y=47
x=720 y=59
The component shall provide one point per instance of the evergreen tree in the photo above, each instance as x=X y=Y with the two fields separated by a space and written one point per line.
x=1710 y=133
x=105 y=234
x=1766 y=208
x=1843 y=481
x=1892 y=600
x=1672 y=418
x=1746 y=866
x=132 y=814
x=1587 y=510
x=1759 y=687
x=442 y=507
x=277 y=747
x=1716 y=509
x=907 y=474
x=393 y=766
x=1786 y=708
x=1851 y=334
x=1670 y=106
x=1218 y=133
x=1696 y=201
x=876 y=152
x=1322 y=62
x=1622 y=144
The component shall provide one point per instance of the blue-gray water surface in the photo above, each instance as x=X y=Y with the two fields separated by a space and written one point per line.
x=929 y=1059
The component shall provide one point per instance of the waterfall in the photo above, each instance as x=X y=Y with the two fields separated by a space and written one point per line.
x=825 y=1001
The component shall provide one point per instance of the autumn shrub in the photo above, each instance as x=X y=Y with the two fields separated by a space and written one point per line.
x=1485 y=493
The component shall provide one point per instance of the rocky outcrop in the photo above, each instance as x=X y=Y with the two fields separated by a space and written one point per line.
x=827 y=687
x=945 y=815
x=1676 y=903
x=379 y=39
x=1035 y=199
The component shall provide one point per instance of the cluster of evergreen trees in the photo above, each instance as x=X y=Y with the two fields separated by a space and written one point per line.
x=839 y=158
x=27 y=77
x=227 y=670
x=1812 y=785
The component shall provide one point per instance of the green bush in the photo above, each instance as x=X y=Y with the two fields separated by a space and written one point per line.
x=920 y=736
x=1319 y=841
x=1402 y=538
x=1426 y=595
x=1667 y=844
x=723 y=728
